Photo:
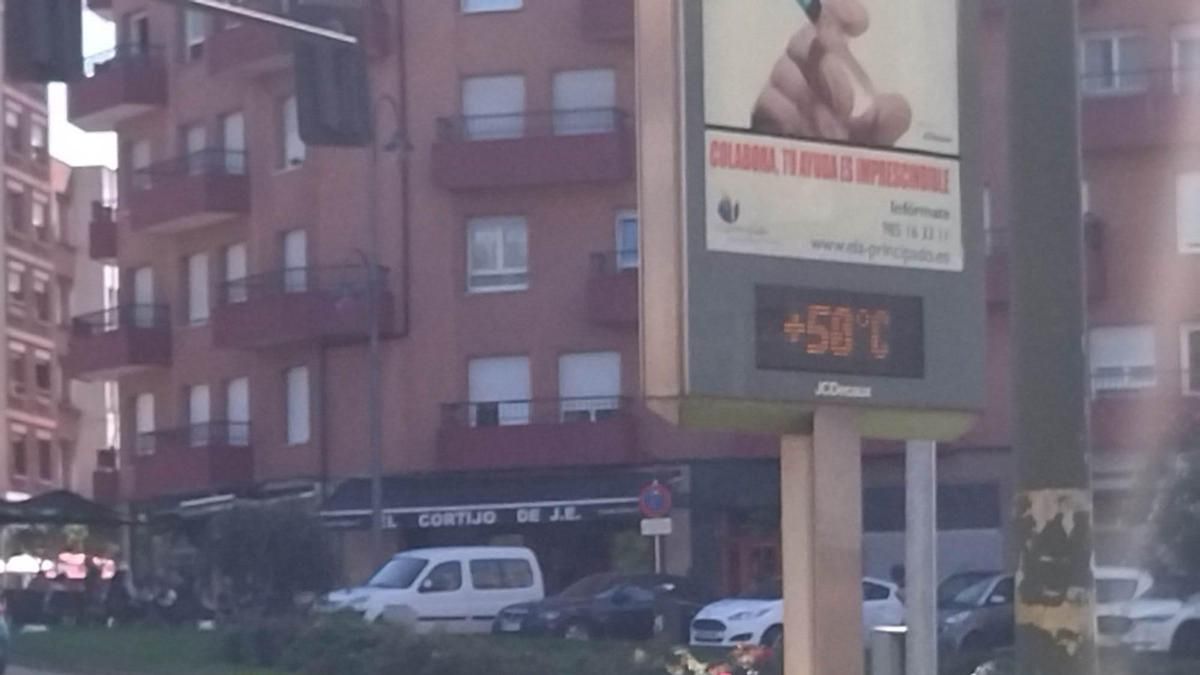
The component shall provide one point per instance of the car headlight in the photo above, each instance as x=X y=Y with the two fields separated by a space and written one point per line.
x=1155 y=618
x=749 y=614
x=550 y=615
x=955 y=619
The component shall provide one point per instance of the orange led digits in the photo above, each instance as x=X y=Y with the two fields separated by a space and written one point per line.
x=839 y=330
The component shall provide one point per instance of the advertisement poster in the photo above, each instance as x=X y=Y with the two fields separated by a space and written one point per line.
x=832 y=131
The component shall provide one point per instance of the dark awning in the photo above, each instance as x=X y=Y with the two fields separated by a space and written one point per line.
x=456 y=500
x=58 y=507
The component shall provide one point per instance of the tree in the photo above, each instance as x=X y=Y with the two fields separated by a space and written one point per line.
x=1177 y=519
x=268 y=554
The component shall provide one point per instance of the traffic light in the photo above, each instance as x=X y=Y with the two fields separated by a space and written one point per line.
x=43 y=40
x=333 y=93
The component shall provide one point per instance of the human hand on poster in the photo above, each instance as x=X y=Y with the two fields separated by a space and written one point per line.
x=812 y=90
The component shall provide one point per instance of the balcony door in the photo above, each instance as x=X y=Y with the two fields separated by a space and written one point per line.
x=199 y=415
x=143 y=297
x=233 y=140
x=235 y=274
x=589 y=385
x=295 y=261
x=493 y=107
x=584 y=101
x=237 y=411
x=195 y=141
x=143 y=423
x=500 y=391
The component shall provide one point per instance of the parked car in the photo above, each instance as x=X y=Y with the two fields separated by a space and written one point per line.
x=632 y=607
x=756 y=617
x=1116 y=588
x=457 y=590
x=978 y=618
x=1165 y=620
x=5 y=636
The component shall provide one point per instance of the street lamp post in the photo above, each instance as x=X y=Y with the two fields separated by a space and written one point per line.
x=374 y=360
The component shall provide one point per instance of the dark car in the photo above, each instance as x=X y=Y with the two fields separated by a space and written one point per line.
x=622 y=606
x=979 y=618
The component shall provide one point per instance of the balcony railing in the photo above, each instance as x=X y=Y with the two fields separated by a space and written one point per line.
x=208 y=162
x=203 y=435
x=1149 y=107
x=120 y=83
x=341 y=281
x=121 y=317
x=198 y=189
x=531 y=124
x=537 y=411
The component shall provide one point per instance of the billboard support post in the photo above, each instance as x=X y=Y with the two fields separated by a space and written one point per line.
x=920 y=559
x=1055 y=631
x=821 y=525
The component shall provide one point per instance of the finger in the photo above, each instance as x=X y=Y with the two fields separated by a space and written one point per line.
x=836 y=86
x=828 y=125
x=776 y=114
x=790 y=80
x=800 y=46
x=884 y=122
x=848 y=16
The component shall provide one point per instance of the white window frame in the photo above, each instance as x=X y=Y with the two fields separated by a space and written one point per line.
x=292 y=150
x=195 y=33
x=1184 y=82
x=38 y=140
x=41 y=285
x=1134 y=375
x=16 y=287
x=499 y=225
x=199 y=415
x=1185 y=358
x=1187 y=198
x=294 y=252
x=493 y=122
x=592 y=405
x=509 y=410
x=489 y=6
x=199 y=306
x=627 y=255
x=239 y=436
x=1125 y=83
x=236 y=262
x=18 y=383
x=600 y=117
x=43 y=357
x=297 y=405
x=144 y=421
x=39 y=215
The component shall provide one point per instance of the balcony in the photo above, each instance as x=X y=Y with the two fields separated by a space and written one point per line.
x=533 y=149
x=248 y=48
x=102 y=233
x=999 y=272
x=324 y=305
x=1139 y=110
x=193 y=459
x=121 y=84
x=189 y=192
x=119 y=341
x=106 y=481
x=538 y=433
x=612 y=289
x=606 y=20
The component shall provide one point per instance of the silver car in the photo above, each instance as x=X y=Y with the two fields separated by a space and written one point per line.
x=979 y=618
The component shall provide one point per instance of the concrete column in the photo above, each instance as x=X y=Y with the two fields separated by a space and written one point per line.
x=821 y=527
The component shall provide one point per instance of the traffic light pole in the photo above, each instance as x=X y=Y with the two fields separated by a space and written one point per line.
x=1055 y=622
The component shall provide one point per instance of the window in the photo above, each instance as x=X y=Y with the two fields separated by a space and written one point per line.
x=494 y=107
x=442 y=578
x=37 y=141
x=237 y=411
x=476 y=6
x=1187 y=212
x=589 y=385
x=45 y=459
x=298 y=427
x=139 y=161
x=498 y=254
x=499 y=390
x=875 y=592
x=194 y=139
x=18 y=378
x=1003 y=593
x=14 y=137
x=136 y=32
x=197 y=289
x=41 y=297
x=235 y=273
x=199 y=414
x=43 y=372
x=195 y=30
x=16 y=209
x=16 y=286
x=1189 y=358
x=37 y=218
x=499 y=574
x=1185 y=59
x=143 y=422
x=1122 y=358
x=585 y=101
x=20 y=443
x=295 y=261
x=233 y=142
x=627 y=240
x=1113 y=63
x=291 y=147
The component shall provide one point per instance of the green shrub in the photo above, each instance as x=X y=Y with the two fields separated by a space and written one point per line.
x=336 y=645
x=259 y=640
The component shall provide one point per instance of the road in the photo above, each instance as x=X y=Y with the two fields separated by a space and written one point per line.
x=17 y=670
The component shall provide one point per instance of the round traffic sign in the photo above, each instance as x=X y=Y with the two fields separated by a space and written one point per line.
x=655 y=500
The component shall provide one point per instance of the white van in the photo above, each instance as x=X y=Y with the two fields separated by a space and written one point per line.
x=456 y=590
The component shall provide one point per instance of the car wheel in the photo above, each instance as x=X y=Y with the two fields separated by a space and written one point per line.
x=773 y=638
x=1186 y=643
x=577 y=630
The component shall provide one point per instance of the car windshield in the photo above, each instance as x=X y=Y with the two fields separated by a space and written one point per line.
x=398 y=573
x=957 y=583
x=1115 y=590
x=589 y=587
x=971 y=596
x=764 y=590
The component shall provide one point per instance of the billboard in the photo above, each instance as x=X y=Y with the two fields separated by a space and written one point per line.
x=832 y=131
x=811 y=213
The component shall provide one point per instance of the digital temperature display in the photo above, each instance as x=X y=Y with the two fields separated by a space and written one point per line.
x=831 y=331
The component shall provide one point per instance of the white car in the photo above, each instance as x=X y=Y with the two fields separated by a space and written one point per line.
x=1116 y=588
x=1166 y=620
x=756 y=617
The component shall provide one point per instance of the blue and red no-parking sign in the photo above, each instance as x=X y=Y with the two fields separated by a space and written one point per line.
x=655 y=500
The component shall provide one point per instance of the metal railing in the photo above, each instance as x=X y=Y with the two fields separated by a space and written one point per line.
x=122 y=317
x=584 y=409
x=208 y=162
x=531 y=124
x=201 y=435
x=133 y=52
x=338 y=281
x=614 y=262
